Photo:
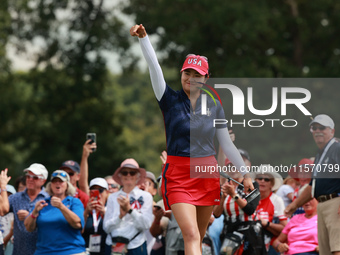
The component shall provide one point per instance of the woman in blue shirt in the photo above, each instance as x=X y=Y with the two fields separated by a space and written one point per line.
x=58 y=219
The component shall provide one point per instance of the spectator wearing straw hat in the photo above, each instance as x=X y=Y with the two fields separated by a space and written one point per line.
x=129 y=210
x=271 y=206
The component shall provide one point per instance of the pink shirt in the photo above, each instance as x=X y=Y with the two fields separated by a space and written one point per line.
x=302 y=234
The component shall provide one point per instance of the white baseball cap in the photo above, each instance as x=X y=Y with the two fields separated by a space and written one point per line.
x=99 y=182
x=11 y=189
x=38 y=169
x=323 y=120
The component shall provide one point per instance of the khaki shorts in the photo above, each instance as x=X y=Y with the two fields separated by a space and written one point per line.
x=329 y=226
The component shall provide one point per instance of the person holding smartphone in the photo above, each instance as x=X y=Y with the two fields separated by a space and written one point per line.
x=94 y=213
x=190 y=143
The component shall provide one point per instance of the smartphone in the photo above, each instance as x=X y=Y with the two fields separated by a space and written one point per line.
x=93 y=138
x=95 y=194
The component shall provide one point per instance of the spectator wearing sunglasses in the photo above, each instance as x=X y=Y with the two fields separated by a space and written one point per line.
x=58 y=219
x=325 y=185
x=129 y=211
x=72 y=168
x=93 y=232
x=113 y=186
x=271 y=206
x=190 y=142
x=21 y=204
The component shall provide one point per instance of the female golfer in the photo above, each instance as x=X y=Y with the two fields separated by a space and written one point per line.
x=188 y=190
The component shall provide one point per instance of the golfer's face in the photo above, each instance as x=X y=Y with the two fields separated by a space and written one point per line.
x=191 y=79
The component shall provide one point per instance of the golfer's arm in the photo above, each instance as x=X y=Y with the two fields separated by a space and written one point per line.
x=156 y=74
x=230 y=150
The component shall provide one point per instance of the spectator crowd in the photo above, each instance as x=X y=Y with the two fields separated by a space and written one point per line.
x=62 y=212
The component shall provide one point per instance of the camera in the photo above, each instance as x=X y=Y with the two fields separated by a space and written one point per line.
x=93 y=138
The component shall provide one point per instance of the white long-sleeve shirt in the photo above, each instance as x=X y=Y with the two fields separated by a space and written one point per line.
x=139 y=220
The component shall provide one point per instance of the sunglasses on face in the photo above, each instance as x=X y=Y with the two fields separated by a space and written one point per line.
x=113 y=186
x=70 y=174
x=34 y=177
x=59 y=174
x=125 y=173
x=265 y=179
x=100 y=190
x=314 y=128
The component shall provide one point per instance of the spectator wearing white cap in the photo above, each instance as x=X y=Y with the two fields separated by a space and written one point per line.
x=94 y=213
x=325 y=185
x=129 y=211
x=58 y=220
x=22 y=203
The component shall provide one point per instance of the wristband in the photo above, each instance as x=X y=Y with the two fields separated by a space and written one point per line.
x=34 y=217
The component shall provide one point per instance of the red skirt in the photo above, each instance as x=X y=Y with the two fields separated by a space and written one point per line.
x=190 y=180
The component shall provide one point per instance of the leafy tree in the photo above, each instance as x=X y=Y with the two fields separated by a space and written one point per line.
x=247 y=38
x=62 y=97
x=4 y=34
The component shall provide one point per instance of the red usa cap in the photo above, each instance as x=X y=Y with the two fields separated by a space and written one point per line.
x=196 y=62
